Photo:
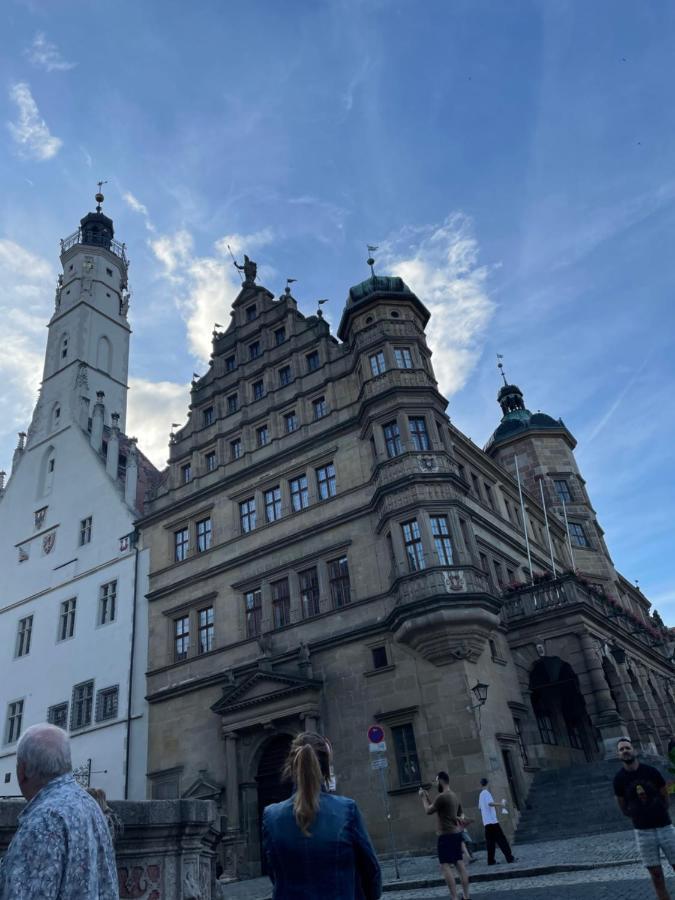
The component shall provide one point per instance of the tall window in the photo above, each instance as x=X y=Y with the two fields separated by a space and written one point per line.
x=262 y=436
x=562 y=489
x=235 y=448
x=181 y=544
x=325 y=478
x=64 y=346
x=320 y=407
x=85 y=531
x=230 y=364
x=58 y=715
x=309 y=592
x=273 y=504
x=185 y=473
x=107 y=703
x=205 y=636
x=578 y=535
x=181 y=637
x=499 y=573
x=279 y=336
x=392 y=439
x=413 y=545
x=299 y=493
x=521 y=742
x=476 y=486
x=251 y=313
x=203 y=535
x=488 y=494
x=23 y=636
x=81 y=706
x=14 y=719
x=258 y=390
x=107 y=602
x=254 y=350
x=403 y=357
x=207 y=416
x=247 y=514
x=281 y=603
x=290 y=422
x=232 y=403
x=284 y=375
x=442 y=542
x=407 y=761
x=253 y=612
x=338 y=577
x=312 y=361
x=546 y=729
x=418 y=433
x=377 y=364
x=211 y=461
x=67 y=619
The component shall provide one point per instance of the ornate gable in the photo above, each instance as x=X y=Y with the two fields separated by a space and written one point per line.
x=265 y=696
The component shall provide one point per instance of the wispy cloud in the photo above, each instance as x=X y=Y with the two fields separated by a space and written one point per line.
x=135 y=204
x=30 y=131
x=440 y=263
x=616 y=403
x=46 y=55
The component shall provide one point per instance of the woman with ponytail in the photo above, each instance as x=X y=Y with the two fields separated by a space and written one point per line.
x=315 y=843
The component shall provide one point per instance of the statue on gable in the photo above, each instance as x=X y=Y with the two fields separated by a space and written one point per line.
x=250 y=270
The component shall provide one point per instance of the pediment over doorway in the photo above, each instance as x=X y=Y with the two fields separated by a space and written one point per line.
x=265 y=696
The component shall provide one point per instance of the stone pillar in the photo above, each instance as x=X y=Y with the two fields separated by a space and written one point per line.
x=96 y=436
x=113 y=453
x=606 y=718
x=232 y=781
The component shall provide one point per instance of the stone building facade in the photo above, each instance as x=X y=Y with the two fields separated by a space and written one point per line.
x=328 y=552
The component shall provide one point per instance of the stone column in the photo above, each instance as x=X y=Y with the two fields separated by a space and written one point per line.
x=606 y=719
x=232 y=781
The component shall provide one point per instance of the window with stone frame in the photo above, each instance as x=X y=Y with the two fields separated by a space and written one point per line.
x=58 y=715
x=578 y=535
x=23 y=636
x=205 y=629
x=338 y=579
x=107 y=602
x=253 y=612
x=313 y=361
x=258 y=390
x=203 y=529
x=186 y=473
x=440 y=531
x=273 y=504
x=251 y=313
x=81 y=706
x=235 y=449
x=232 y=403
x=299 y=493
x=181 y=637
x=107 y=703
x=279 y=336
x=521 y=742
x=379 y=657
x=247 y=516
x=499 y=572
x=377 y=363
x=419 y=437
x=407 y=761
x=262 y=436
x=254 y=350
x=85 y=531
x=14 y=721
x=290 y=422
x=320 y=408
x=403 y=357
x=181 y=544
x=475 y=483
x=325 y=481
x=230 y=364
x=488 y=494
x=392 y=439
x=412 y=539
x=284 y=376
x=207 y=416
x=562 y=489
x=281 y=603
x=67 y=619
x=309 y=592
x=546 y=729
x=211 y=461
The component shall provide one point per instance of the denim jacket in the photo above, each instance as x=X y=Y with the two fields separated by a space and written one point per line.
x=337 y=861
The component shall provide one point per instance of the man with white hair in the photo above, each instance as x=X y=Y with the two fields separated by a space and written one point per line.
x=62 y=848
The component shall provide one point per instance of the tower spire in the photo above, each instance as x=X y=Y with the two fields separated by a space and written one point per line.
x=98 y=197
x=500 y=366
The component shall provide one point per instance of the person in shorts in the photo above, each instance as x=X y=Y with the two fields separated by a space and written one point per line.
x=449 y=832
x=642 y=796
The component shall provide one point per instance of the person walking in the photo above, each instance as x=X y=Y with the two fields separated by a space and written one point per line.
x=316 y=843
x=62 y=848
x=493 y=830
x=449 y=831
x=641 y=793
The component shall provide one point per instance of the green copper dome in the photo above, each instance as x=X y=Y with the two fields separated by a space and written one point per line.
x=378 y=284
x=517 y=419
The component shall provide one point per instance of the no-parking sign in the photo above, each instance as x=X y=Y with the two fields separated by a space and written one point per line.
x=376 y=740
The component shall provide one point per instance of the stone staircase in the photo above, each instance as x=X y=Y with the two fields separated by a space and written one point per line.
x=573 y=802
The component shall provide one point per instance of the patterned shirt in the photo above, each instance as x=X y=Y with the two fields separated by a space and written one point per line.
x=61 y=850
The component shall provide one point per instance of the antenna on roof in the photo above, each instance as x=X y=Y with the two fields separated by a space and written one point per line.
x=500 y=366
x=371 y=262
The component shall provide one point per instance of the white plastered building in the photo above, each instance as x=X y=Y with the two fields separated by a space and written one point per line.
x=73 y=615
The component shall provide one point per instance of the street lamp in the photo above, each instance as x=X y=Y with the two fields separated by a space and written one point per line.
x=479 y=690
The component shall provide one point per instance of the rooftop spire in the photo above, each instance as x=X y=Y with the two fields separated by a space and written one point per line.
x=370 y=261
x=500 y=366
x=98 y=197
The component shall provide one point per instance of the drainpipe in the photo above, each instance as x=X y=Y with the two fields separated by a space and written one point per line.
x=131 y=669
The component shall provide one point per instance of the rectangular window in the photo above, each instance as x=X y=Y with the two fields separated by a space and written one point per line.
x=185 y=473
x=85 y=531
x=14 y=719
x=279 y=336
x=488 y=494
x=281 y=603
x=58 y=715
x=258 y=390
x=442 y=542
x=262 y=436
x=499 y=573
x=211 y=461
x=251 y=313
x=284 y=375
x=235 y=448
x=247 y=514
x=205 y=636
x=476 y=486
x=546 y=729
x=254 y=350
x=253 y=612
x=181 y=637
x=67 y=619
x=309 y=592
x=377 y=364
x=107 y=703
x=312 y=361
x=562 y=489
x=230 y=364
x=290 y=422
x=81 y=706
x=413 y=545
x=462 y=471
x=392 y=439
x=484 y=563
x=320 y=407
x=203 y=535
x=380 y=660
x=406 y=754
x=232 y=403
x=521 y=742
x=181 y=544
x=23 y=636
x=338 y=577
x=578 y=535
x=325 y=479
x=273 y=504
x=107 y=602
x=299 y=493
x=403 y=357
x=418 y=433
x=509 y=511
x=207 y=416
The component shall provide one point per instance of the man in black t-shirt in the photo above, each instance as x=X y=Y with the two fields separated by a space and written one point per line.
x=642 y=796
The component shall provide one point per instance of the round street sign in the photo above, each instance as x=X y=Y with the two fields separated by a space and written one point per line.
x=375 y=734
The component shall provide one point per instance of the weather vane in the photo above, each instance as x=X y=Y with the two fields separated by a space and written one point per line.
x=371 y=262
x=289 y=282
x=321 y=303
x=99 y=196
x=500 y=366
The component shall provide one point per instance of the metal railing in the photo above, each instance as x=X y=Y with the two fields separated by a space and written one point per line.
x=112 y=245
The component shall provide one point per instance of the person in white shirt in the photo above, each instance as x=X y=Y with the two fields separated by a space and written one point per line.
x=493 y=830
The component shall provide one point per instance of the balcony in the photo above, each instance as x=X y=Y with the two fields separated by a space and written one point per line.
x=108 y=244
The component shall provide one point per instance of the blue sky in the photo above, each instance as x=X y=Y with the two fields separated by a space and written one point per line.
x=513 y=160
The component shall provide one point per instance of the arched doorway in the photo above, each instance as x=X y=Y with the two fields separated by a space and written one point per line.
x=560 y=710
x=272 y=788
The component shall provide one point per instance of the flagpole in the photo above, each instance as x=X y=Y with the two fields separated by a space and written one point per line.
x=569 y=539
x=522 y=510
x=548 y=530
